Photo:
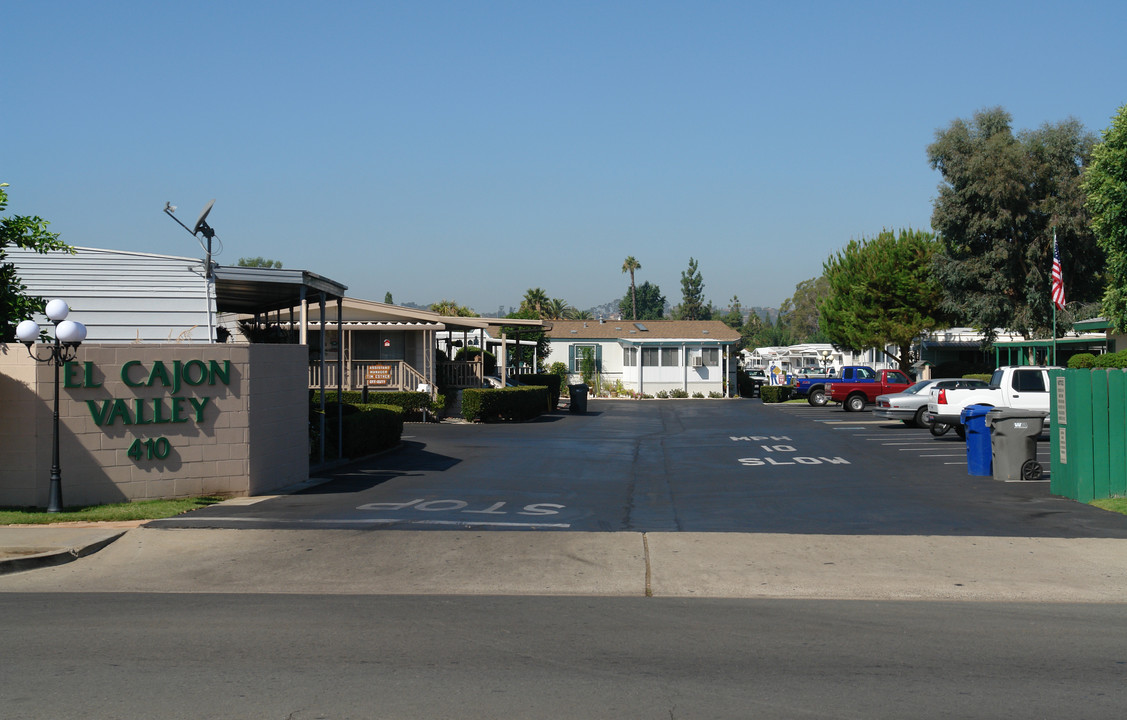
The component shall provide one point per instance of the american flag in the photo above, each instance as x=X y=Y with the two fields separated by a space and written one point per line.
x=1058 y=280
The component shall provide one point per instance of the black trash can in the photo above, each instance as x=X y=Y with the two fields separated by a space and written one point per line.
x=1014 y=442
x=578 y=395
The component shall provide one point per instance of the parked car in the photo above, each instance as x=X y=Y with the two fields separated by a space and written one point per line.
x=816 y=390
x=492 y=381
x=910 y=406
x=853 y=396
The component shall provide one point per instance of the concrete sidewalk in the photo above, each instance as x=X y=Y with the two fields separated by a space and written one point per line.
x=26 y=547
x=719 y=565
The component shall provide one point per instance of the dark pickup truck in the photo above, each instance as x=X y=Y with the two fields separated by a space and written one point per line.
x=855 y=395
x=817 y=389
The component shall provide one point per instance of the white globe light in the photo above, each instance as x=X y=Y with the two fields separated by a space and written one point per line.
x=69 y=331
x=27 y=331
x=57 y=310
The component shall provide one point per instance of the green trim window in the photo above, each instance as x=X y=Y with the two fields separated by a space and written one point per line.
x=670 y=357
x=711 y=357
x=629 y=357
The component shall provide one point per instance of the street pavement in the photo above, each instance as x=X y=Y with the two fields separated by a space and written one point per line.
x=625 y=525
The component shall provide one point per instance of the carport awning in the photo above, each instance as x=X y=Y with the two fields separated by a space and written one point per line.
x=260 y=290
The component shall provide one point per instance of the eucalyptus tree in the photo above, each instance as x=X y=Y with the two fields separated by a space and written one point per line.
x=1002 y=200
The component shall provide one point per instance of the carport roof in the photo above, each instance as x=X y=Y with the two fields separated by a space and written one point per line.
x=249 y=290
x=643 y=330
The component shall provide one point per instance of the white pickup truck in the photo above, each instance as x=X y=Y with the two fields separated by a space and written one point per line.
x=1025 y=387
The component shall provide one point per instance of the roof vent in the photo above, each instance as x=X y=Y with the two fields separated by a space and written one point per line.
x=641 y=327
x=705 y=332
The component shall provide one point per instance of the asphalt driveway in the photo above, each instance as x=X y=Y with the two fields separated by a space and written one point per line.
x=680 y=466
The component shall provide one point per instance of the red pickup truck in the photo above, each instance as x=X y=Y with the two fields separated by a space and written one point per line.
x=854 y=395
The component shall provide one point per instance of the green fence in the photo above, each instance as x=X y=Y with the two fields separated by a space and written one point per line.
x=1088 y=417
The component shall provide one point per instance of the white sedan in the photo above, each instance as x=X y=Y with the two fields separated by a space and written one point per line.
x=910 y=406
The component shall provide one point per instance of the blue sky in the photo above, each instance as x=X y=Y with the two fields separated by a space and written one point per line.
x=472 y=150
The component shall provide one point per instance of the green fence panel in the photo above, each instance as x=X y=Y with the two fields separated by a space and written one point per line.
x=1101 y=469
x=1079 y=408
x=1061 y=479
x=1117 y=432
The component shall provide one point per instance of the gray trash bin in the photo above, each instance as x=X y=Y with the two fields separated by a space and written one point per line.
x=578 y=394
x=1014 y=442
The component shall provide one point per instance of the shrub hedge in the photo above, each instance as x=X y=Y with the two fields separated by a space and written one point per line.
x=511 y=403
x=368 y=428
x=548 y=380
x=775 y=393
x=409 y=401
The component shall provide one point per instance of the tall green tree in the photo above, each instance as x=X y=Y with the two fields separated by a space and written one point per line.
x=692 y=305
x=534 y=301
x=387 y=298
x=630 y=265
x=650 y=302
x=450 y=308
x=259 y=262
x=882 y=292
x=1106 y=186
x=752 y=332
x=799 y=313
x=734 y=318
x=523 y=354
x=555 y=309
x=1001 y=197
x=29 y=233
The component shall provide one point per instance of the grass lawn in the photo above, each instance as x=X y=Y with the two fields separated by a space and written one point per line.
x=140 y=510
x=1118 y=505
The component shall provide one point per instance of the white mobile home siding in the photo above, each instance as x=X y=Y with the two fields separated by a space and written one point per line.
x=122 y=296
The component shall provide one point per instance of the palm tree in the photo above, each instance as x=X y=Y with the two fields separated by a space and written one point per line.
x=555 y=309
x=535 y=300
x=630 y=265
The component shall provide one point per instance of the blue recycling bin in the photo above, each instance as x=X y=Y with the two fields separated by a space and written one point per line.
x=979 y=453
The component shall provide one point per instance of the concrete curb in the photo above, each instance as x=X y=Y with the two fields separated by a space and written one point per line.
x=51 y=546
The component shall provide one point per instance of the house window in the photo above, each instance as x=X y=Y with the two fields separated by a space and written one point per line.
x=711 y=357
x=670 y=357
x=649 y=357
x=581 y=351
x=630 y=357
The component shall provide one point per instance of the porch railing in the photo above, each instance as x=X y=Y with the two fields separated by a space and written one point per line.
x=399 y=374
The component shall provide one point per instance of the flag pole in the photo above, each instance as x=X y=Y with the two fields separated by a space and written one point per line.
x=1054 y=302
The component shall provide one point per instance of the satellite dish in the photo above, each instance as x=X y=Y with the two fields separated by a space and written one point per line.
x=200 y=223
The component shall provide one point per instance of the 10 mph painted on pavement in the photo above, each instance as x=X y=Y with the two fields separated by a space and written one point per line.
x=778 y=451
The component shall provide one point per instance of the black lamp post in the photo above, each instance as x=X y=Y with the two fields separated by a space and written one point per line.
x=68 y=336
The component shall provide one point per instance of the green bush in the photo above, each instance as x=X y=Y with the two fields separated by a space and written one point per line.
x=548 y=380
x=1082 y=360
x=698 y=395
x=1111 y=360
x=678 y=393
x=489 y=364
x=775 y=393
x=714 y=394
x=413 y=403
x=662 y=394
x=367 y=428
x=511 y=403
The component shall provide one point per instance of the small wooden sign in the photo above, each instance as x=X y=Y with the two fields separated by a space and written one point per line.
x=379 y=374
